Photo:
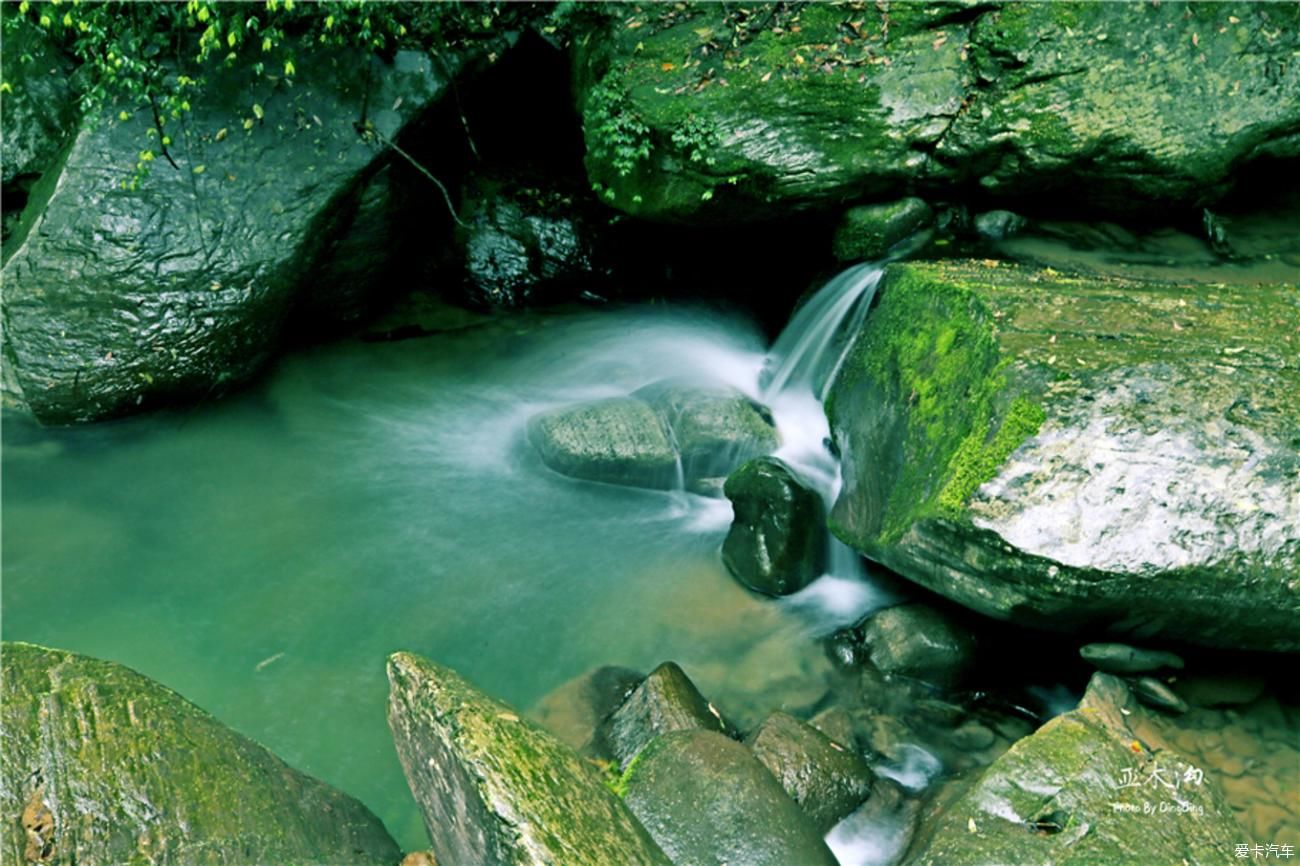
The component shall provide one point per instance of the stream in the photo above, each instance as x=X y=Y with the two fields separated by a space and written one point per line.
x=262 y=555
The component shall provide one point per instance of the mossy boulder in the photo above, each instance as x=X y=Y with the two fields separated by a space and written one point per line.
x=104 y=765
x=1079 y=451
x=708 y=801
x=827 y=780
x=866 y=232
x=124 y=293
x=665 y=701
x=717 y=113
x=497 y=790
x=1079 y=791
x=777 y=541
x=619 y=440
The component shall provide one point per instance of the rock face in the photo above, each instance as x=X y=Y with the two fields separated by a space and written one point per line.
x=107 y=766
x=719 y=114
x=521 y=242
x=619 y=440
x=777 y=541
x=1079 y=451
x=867 y=232
x=708 y=802
x=118 y=297
x=666 y=701
x=664 y=435
x=497 y=790
x=39 y=112
x=826 y=780
x=1051 y=799
x=916 y=640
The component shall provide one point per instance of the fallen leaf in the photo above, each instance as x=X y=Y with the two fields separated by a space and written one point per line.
x=766 y=77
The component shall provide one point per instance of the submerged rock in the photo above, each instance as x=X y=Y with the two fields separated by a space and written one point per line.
x=666 y=701
x=574 y=710
x=916 y=640
x=803 y=107
x=105 y=765
x=1154 y=693
x=867 y=232
x=1118 y=658
x=619 y=440
x=777 y=541
x=827 y=780
x=496 y=790
x=1077 y=452
x=1078 y=791
x=715 y=429
x=998 y=225
x=708 y=801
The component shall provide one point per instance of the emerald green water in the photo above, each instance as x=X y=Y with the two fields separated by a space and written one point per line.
x=263 y=554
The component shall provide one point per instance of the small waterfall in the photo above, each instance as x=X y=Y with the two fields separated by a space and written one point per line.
x=803 y=363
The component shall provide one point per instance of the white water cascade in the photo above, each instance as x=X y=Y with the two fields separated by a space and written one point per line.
x=803 y=363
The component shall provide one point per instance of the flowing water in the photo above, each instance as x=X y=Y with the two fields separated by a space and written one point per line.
x=262 y=555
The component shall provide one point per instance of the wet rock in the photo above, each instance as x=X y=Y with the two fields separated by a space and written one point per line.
x=495 y=789
x=715 y=429
x=666 y=701
x=523 y=242
x=825 y=779
x=916 y=640
x=837 y=724
x=968 y=97
x=619 y=440
x=39 y=112
x=573 y=710
x=998 y=225
x=971 y=736
x=104 y=765
x=867 y=232
x=1005 y=451
x=776 y=543
x=1154 y=693
x=118 y=298
x=1118 y=658
x=707 y=800
x=1052 y=798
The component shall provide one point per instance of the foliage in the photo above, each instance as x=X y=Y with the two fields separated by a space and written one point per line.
x=155 y=56
x=614 y=131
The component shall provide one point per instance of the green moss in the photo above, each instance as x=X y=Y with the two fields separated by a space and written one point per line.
x=618 y=782
x=931 y=347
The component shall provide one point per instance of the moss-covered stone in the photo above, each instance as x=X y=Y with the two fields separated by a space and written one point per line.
x=1079 y=792
x=497 y=790
x=709 y=112
x=827 y=780
x=866 y=232
x=103 y=765
x=708 y=801
x=1074 y=451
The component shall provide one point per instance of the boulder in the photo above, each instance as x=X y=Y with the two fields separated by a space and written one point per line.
x=497 y=790
x=1079 y=790
x=777 y=541
x=105 y=765
x=708 y=801
x=666 y=701
x=124 y=292
x=827 y=780
x=915 y=640
x=867 y=232
x=522 y=242
x=619 y=440
x=998 y=225
x=1079 y=452
x=573 y=710
x=1118 y=658
x=715 y=429
x=39 y=111
x=724 y=114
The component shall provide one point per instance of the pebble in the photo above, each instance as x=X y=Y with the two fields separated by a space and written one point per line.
x=1118 y=658
x=1152 y=692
